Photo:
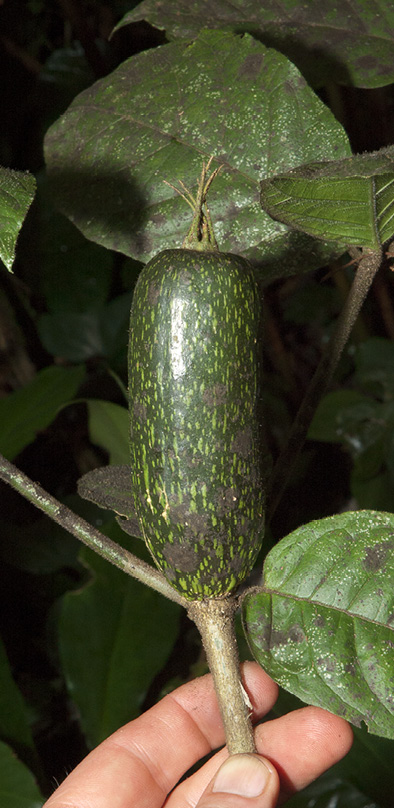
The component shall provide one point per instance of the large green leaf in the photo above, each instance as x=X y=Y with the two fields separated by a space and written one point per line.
x=362 y=420
x=374 y=361
x=350 y=201
x=109 y=428
x=322 y=625
x=75 y=275
x=32 y=408
x=17 y=190
x=115 y=636
x=350 y=43
x=339 y=416
x=18 y=788
x=223 y=95
x=79 y=336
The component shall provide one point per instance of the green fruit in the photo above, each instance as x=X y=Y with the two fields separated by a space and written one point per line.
x=195 y=439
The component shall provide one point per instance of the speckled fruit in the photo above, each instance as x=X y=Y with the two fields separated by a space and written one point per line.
x=195 y=438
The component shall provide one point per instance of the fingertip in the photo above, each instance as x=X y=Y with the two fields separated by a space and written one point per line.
x=333 y=734
x=243 y=780
x=306 y=742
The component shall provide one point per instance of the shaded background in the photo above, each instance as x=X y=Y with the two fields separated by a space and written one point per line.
x=66 y=309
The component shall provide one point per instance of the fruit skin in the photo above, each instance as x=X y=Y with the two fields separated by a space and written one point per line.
x=195 y=437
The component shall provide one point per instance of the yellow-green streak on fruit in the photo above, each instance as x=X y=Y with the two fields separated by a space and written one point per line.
x=195 y=438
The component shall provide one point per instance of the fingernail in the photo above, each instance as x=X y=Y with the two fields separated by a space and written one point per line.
x=243 y=775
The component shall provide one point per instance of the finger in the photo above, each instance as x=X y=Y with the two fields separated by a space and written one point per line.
x=243 y=781
x=301 y=745
x=140 y=763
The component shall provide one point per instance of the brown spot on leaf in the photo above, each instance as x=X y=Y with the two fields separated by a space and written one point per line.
x=328 y=665
x=295 y=634
x=251 y=66
x=232 y=210
x=367 y=62
x=350 y=669
x=288 y=88
x=142 y=243
x=375 y=557
x=390 y=643
x=158 y=218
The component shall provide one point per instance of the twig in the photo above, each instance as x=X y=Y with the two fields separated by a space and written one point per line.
x=365 y=273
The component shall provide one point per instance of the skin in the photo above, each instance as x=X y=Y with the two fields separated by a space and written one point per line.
x=140 y=764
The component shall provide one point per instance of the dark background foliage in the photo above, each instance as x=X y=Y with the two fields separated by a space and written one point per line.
x=63 y=342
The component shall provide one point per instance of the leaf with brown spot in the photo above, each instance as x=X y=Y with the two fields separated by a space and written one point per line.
x=347 y=43
x=110 y=153
x=322 y=624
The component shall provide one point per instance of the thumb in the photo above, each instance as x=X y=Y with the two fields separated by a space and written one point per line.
x=243 y=781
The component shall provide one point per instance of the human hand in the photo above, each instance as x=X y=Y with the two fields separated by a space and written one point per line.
x=140 y=764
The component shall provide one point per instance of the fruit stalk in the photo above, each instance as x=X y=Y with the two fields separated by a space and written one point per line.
x=215 y=622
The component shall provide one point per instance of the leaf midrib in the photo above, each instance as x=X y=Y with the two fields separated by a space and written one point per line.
x=315 y=602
